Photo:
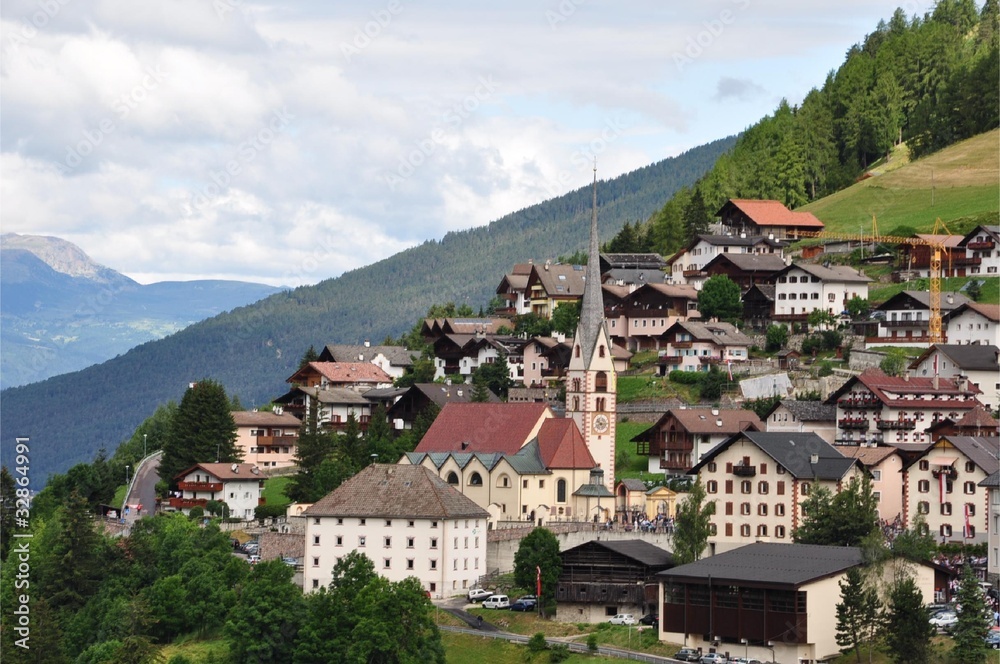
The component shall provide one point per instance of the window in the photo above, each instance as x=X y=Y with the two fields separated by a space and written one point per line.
x=729 y=486
x=452 y=478
x=411 y=523
x=946 y=509
x=970 y=531
x=340 y=540
x=832 y=297
x=945 y=530
x=434 y=543
x=970 y=488
x=561 y=491
x=923 y=507
x=712 y=486
x=410 y=541
x=524 y=484
x=781 y=487
x=924 y=464
x=712 y=467
x=713 y=529
x=744 y=508
x=409 y=563
x=361 y=540
x=876 y=475
x=762 y=509
x=779 y=532
x=746 y=486
x=923 y=486
x=541 y=484
x=386 y=563
x=387 y=542
x=315 y=540
x=475 y=479
x=315 y=583
x=434 y=524
x=434 y=564
x=362 y=521
x=340 y=522
x=316 y=521
x=315 y=561
x=729 y=509
x=970 y=509
x=761 y=530
x=779 y=509
x=805 y=488
x=745 y=530
x=762 y=487
x=970 y=467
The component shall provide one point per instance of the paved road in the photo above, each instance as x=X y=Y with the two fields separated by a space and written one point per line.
x=143 y=489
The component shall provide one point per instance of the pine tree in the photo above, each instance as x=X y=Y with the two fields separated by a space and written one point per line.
x=974 y=620
x=858 y=613
x=696 y=217
x=202 y=431
x=314 y=446
x=908 y=632
x=310 y=356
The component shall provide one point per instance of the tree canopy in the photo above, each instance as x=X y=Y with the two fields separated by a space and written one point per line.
x=201 y=431
x=539 y=552
x=692 y=526
x=720 y=298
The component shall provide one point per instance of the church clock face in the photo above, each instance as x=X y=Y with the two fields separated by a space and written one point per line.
x=601 y=423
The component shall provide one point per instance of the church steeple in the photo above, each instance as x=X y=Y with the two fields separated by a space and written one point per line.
x=592 y=307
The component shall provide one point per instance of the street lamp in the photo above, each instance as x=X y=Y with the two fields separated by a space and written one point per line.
x=143 y=446
x=126 y=475
x=771 y=646
x=746 y=649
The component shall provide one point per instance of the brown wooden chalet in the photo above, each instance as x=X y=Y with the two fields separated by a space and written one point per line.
x=682 y=435
x=745 y=269
x=601 y=578
x=421 y=396
x=761 y=217
x=758 y=305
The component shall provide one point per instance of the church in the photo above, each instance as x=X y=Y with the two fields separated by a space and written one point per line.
x=521 y=461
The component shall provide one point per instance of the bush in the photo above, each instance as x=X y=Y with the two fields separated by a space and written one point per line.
x=825 y=369
x=592 y=642
x=686 y=377
x=269 y=511
x=777 y=337
x=196 y=513
x=559 y=652
x=537 y=643
x=179 y=659
x=812 y=344
x=831 y=339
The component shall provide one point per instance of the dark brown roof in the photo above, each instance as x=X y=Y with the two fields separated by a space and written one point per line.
x=641 y=552
x=767 y=563
x=253 y=418
x=870 y=456
x=388 y=490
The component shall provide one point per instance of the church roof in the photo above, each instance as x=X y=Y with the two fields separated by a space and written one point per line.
x=592 y=308
x=482 y=427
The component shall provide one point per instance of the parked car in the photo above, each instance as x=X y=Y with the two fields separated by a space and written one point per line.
x=527 y=598
x=291 y=562
x=944 y=619
x=623 y=619
x=523 y=605
x=650 y=619
x=688 y=655
x=993 y=640
x=744 y=660
x=479 y=594
x=714 y=658
x=497 y=602
x=253 y=559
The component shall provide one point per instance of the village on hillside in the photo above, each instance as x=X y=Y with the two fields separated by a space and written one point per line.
x=816 y=392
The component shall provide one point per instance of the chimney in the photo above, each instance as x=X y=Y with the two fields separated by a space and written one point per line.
x=368 y=343
x=813 y=459
x=936 y=382
x=906 y=375
x=962 y=382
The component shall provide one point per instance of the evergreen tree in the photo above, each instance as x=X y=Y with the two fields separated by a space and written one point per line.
x=202 y=431
x=974 y=620
x=495 y=376
x=71 y=570
x=379 y=435
x=696 y=216
x=907 y=631
x=858 y=613
x=8 y=507
x=310 y=356
x=537 y=554
x=314 y=446
x=692 y=525
x=421 y=371
x=480 y=393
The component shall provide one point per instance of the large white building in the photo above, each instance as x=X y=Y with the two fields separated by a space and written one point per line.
x=802 y=288
x=407 y=520
x=978 y=362
x=973 y=323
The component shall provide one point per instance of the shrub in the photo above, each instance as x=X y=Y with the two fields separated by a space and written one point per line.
x=825 y=369
x=592 y=642
x=537 y=643
x=559 y=652
x=196 y=513
x=686 y=377
x=831 y=339
x=269 y=511
x=777 y=337
x=812 y=344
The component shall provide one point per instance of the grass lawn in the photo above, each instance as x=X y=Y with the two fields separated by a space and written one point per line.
x=198 y=651
x=469 y=649
x=989 y=293
x=274 y=490
x=628 y=463
x=651 y=386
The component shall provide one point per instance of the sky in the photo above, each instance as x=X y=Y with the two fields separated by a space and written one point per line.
x=286 y=143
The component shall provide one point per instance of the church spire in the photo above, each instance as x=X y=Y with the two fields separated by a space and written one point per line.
x=592 y=307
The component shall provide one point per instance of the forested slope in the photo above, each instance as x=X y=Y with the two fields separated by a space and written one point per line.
x=251 y=350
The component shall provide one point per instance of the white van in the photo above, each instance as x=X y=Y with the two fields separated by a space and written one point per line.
x=497 y=602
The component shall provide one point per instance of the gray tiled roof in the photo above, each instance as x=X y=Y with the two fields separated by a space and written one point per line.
x=721 y=333
x=811 y=411
x=397 y=355
x=970 y=357
x=388 y=490
x=804 y=455
x=642 y=552
x=593 y=491
x=769 y=563
x=993 y=481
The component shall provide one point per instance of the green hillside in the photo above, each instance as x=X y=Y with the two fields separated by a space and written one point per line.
x=253 y=349
x=958 y=184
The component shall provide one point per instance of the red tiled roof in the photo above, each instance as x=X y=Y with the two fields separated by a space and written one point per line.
x=351 y=372
x=702 y=421
x=561 y=445
x=978 y=417
x=879 y=382
x=774 y=213
x=482 y=427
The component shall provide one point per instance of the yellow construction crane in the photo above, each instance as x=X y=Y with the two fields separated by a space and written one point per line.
x=937 y=248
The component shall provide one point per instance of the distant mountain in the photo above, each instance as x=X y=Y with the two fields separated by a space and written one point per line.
x=253 y=349
x=63 y=312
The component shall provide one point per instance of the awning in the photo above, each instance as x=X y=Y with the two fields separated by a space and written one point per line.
x=944 y=461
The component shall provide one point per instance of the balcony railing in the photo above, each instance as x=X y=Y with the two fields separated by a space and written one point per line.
x=264 y=441
x=670 y=359
x=744 y=471
x=852 y=423
x=199 y=486
x=692 y=273
x=906 y=323
x=681 y=344
x=860 y=402
x=921 y=339
x=186 y=503
x=978 y=245
x=896 y=424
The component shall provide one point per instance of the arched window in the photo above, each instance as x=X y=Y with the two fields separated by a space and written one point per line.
x=475 y=479
x=600 y=349
x=601 y=404
x=452 y=478
x=601 y=382
x=503 y=481
x=576 y=384
x=576 y=403
x=561 y=491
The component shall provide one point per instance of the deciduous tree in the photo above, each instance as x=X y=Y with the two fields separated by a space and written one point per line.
x=263 y=623
x=539 y=550
x=720 y=298
x=692 y=525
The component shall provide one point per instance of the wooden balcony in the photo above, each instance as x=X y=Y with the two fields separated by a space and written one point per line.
x=852 y=423
x=744 y=471
x=280 y=441
x=896 y=424
x=905 y=323
x=893 y=341
x=978 y=246
x=860 y=402
x=200 y=486
x=186 y=503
